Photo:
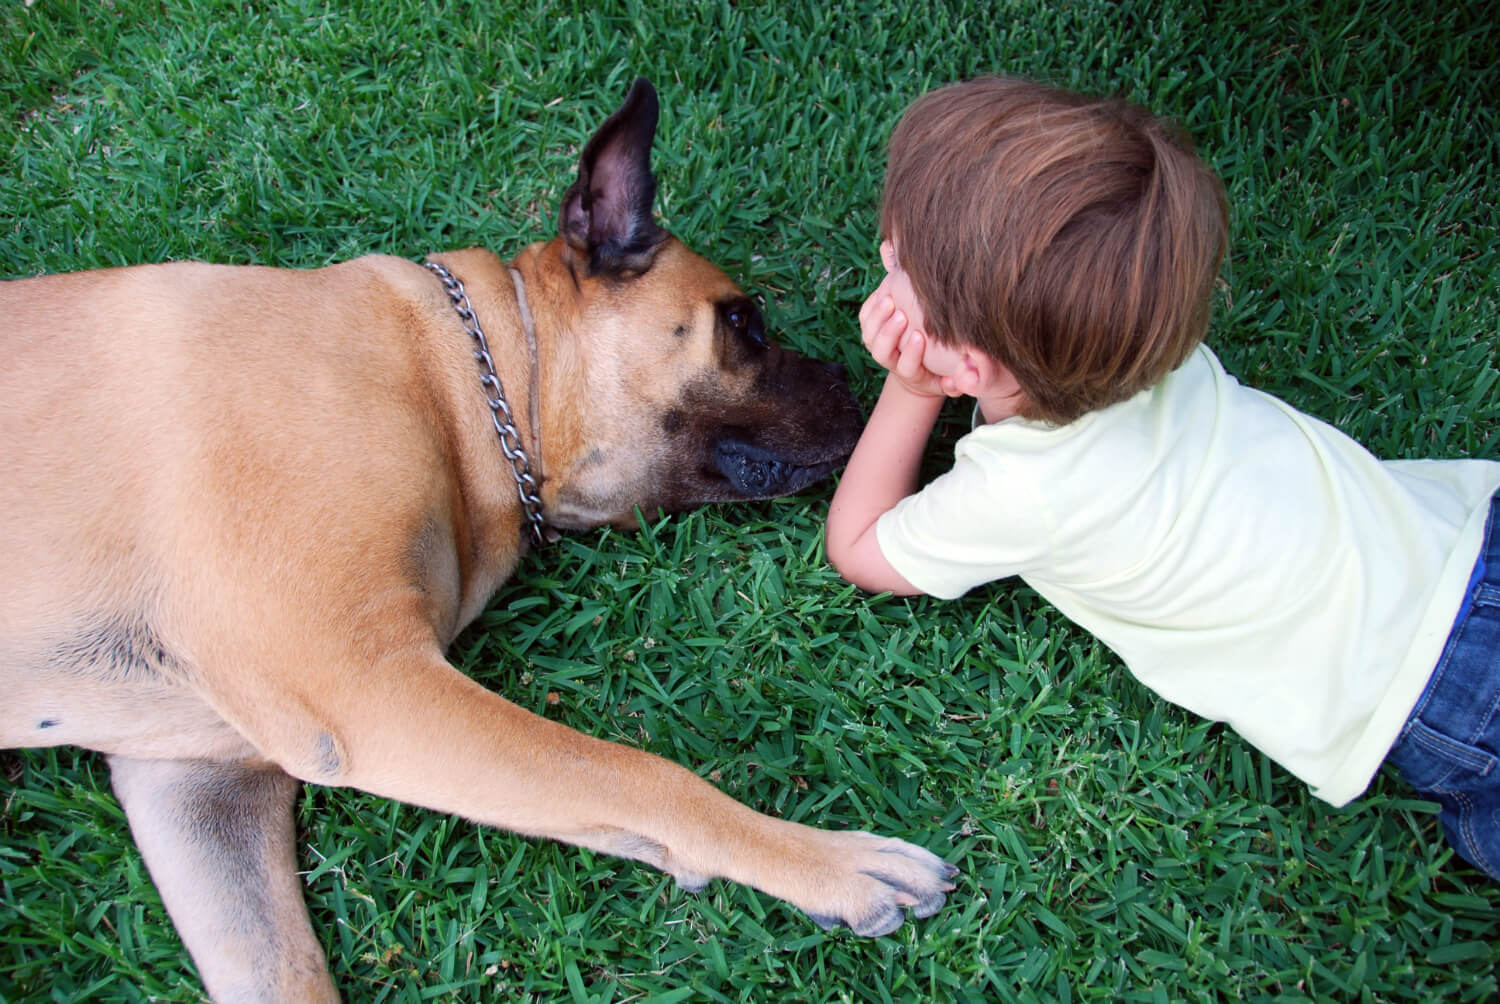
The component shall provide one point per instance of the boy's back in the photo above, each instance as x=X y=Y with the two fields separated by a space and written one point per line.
x=1244 y=560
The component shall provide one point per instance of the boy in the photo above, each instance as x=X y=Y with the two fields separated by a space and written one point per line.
x=1054 y=257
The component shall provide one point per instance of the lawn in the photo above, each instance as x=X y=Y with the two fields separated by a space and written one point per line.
x=1113 y=847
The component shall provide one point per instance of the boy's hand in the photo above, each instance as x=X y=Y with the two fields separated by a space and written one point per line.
x=895 y=344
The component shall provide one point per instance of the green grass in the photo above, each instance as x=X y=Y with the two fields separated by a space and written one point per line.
x=1113 y=847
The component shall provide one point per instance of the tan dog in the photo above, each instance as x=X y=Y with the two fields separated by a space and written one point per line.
x=245 y=510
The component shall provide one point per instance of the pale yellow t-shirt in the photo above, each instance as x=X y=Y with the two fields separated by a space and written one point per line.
x=1244 y=560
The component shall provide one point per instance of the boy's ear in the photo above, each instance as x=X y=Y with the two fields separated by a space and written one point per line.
x=975 y=372
x=981 y=375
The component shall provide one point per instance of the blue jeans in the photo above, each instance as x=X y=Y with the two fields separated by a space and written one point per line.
x=1449 y=749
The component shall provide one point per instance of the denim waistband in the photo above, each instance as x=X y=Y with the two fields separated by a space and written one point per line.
x=1489 y=557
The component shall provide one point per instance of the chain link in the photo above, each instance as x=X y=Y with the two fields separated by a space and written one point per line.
x=494 y=396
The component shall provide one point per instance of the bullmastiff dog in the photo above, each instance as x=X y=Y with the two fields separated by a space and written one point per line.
x=232 y=558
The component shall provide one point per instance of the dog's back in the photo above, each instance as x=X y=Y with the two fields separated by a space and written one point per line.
x=133 y=402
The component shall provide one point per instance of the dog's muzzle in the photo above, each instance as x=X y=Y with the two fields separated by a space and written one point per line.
x=757 y=473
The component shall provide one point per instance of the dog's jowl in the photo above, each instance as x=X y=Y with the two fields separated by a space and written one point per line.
x=232 y=561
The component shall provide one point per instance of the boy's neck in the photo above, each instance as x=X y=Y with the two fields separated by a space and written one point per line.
x=999 y=395
x=998 y=412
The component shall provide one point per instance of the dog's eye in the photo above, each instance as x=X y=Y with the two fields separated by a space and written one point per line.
x=746 y=321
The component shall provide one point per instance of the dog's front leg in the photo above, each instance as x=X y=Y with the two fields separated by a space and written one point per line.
x=417 y=730
x=218 y=840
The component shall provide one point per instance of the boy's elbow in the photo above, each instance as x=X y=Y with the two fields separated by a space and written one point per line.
x=838 y=540
x=838 y=557
x=852 y=575
x=861 y=562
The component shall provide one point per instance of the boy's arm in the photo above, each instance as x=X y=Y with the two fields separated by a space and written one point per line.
x=886 y=462
x=882 y=472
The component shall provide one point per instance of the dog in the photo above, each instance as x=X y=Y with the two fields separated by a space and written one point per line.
x=232 y=558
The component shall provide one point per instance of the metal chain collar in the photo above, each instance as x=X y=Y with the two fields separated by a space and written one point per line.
x=505 y=426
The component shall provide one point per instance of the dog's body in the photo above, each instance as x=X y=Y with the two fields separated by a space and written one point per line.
x=245 y=510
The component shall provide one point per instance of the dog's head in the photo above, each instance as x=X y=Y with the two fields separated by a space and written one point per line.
x=660 y=386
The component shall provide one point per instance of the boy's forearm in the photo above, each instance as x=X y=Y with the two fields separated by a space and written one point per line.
x=888 y=458
x=885 y=465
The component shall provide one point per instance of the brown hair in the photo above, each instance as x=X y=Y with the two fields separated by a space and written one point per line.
x=1074 y=240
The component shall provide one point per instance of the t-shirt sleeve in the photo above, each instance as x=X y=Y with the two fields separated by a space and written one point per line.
x=972 y=525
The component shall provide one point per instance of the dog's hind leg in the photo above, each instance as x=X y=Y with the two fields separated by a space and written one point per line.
x=219 y=842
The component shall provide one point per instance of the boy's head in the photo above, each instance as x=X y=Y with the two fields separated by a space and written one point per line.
x=1074 y=240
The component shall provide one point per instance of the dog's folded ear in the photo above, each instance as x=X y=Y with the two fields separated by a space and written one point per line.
x=607 y=213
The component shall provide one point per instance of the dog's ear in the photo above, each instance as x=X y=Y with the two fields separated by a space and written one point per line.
x=606 y=214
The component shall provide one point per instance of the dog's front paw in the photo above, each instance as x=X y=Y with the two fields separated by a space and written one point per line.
x=869 y=881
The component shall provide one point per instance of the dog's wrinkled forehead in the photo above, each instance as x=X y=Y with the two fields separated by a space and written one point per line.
x=680 y=315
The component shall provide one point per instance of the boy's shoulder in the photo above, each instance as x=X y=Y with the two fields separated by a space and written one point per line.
x=1181 y=395
x=1113 y=449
